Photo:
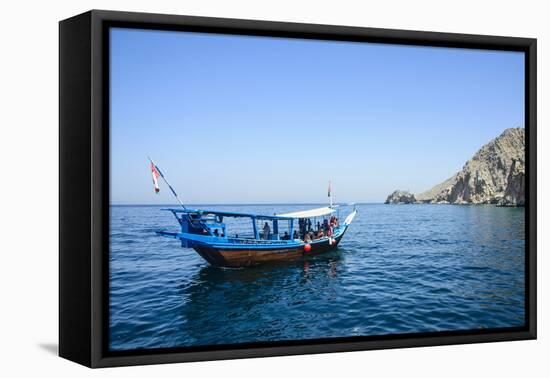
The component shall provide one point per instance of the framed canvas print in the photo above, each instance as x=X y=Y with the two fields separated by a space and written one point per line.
x=235 y=188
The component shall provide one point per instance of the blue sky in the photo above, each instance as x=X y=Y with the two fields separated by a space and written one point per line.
x=238 y=119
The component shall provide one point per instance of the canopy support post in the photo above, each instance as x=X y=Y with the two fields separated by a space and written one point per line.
x=255 y=227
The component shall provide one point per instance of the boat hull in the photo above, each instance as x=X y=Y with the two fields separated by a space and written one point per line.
x=243 y=257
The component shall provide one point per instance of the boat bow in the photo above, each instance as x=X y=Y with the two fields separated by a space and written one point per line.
x=350 y=218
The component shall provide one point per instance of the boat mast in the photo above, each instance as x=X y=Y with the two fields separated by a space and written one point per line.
x=170 y=186
x=330 y=193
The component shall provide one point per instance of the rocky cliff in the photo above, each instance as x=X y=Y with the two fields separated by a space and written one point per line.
x=495 y=175
x=515 y=189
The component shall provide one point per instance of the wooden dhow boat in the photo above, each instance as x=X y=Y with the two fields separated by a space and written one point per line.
x=271 y=238
x=206 y=232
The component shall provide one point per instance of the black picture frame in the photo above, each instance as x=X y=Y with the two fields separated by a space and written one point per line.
x=84 y=186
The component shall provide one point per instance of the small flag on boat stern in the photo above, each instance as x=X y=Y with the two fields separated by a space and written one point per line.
x=155 y=172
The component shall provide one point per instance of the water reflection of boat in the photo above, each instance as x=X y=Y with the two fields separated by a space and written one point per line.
x=246 y=305
x=321 y=266
x=206 y=232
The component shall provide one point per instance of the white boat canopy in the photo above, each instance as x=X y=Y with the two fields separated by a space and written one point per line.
x=308 y=213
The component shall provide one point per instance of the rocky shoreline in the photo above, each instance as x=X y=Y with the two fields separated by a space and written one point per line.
x=495 y=175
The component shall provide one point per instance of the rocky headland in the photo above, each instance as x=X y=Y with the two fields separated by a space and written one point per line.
x=495 y=175
x=401 y=196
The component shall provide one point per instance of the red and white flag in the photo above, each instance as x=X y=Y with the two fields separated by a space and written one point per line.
x=156 y=174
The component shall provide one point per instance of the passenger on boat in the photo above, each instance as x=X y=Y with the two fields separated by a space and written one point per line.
x=307 y=238
x=302 y=223
x=318 y=226
x=320 y=233
x=308 y=225
x=325 y=226
x=267 y=231
x=216 y=232
x=286 y=236
x=295 y=235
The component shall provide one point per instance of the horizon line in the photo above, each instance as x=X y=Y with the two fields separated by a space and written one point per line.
x=245 y=204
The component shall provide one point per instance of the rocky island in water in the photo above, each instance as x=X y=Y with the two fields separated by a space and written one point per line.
x=495 y=175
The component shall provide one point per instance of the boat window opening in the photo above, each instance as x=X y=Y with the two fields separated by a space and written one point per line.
x=285 y=232
x=265 y=229
x=239 y=228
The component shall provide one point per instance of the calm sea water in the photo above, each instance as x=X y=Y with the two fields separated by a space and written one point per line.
x=399 y=269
